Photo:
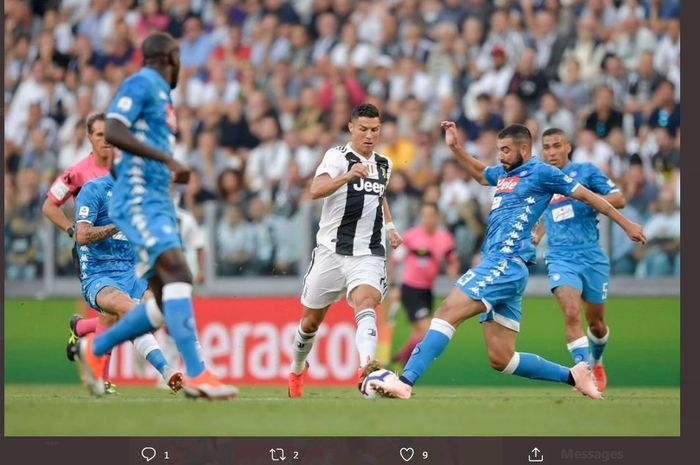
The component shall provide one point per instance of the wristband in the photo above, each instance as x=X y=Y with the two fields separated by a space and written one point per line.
x=70 y=230
x=390 y=226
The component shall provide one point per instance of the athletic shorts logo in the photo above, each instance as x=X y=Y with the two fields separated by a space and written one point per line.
x=507 y=185
x=556 y=277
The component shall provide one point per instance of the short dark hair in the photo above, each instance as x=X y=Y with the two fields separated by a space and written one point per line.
x=518 y=132
x=157 y=46
x=554 y=132
x=366 y=110
x=91 y=121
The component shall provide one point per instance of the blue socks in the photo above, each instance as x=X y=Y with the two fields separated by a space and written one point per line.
x=598 y=345
x=579 y=350
x=430 y=348
x=177 y=307
x=535 y=367
x=133 y=324
x=157 y=359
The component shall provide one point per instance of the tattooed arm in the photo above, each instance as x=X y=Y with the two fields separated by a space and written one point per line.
x=87 y=233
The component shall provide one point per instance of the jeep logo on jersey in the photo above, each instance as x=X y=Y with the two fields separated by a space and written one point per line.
x=507 y=184
x=369 y=186
x=556 y=198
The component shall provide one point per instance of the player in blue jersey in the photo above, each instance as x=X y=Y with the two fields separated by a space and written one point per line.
x=494 y=288
x=109 y=282
x=141 y=123
x=577 y=266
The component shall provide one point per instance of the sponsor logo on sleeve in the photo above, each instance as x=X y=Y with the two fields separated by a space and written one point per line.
x=84 y=211
x=125 y=103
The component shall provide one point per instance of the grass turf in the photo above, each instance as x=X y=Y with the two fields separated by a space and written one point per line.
x=544 y=410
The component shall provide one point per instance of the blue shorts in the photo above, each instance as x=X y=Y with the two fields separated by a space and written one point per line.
x=499 y=283
x=151 y=228
x=127 y=282
x=587 y=270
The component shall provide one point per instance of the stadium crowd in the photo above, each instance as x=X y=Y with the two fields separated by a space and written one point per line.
x=267 y=86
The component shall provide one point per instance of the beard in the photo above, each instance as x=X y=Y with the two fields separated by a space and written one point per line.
x=511 y=166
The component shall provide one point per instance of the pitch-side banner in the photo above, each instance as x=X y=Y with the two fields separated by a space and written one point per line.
x=249 y=341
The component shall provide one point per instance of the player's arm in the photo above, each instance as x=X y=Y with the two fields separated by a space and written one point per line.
x=605 y=187
x=395 y=239
x=54 y=214
x=538 y=232
x=201 y=263
x=601 y=205
x=123 y=112
x=86 y=209
x=474 y=167
x=87 y=233
x=324 y=185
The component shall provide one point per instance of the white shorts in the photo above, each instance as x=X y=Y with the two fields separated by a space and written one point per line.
x=330 y=274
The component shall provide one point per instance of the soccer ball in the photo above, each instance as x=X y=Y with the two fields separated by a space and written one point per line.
x=367 y=387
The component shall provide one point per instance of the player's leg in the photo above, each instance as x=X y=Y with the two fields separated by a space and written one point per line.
x=323 y=283
x=104 y=322
x=569 y=299
x=500 y=345
x=117 y=302
x=565 y=274
x=595 y=294
x=418 y=303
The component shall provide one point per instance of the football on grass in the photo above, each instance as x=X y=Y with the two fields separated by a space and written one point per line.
x=367 y=388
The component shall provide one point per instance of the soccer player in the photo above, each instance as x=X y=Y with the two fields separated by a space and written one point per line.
x=107 y=275
x=68 y=185
x=141 y=123
x=494 y=288
x=577 y=266
x=425 y=248
x=350 y=253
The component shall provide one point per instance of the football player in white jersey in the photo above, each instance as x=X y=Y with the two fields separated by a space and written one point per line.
x=350 y=252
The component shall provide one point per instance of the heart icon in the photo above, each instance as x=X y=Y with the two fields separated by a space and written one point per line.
x=406 y=453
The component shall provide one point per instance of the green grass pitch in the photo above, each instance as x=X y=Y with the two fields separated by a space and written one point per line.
x=64 y=410
x=459 y=396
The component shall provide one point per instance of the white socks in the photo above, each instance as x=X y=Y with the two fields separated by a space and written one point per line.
x=366 y=335
x=303 y=342
x=145 y=344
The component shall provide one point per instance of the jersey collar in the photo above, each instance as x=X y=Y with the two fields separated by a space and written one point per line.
x=362 y=157
x=157 y=76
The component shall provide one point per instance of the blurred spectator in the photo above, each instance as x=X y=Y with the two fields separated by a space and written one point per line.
x=486 y=118
x=503 y=38
x=642 y=84
x=400 y=150
x=196 y=44
x=587 y=50
x=76 y=149
x=234 y=241
x=621 y=159
x=494 y=82
x=660 y=256
x=552 y=115
x=572 y=91
x=351 y=53
x=669 y=48
x=666 y=113
x=548 y=43
x=22 y=243
x=268 y=162
x=528 y=82
x=229 y=187
x=668 y=159
x=93 y=25
x=209 y=160
x=326 y=25
x=590 y=149
x=604 y=116
x=615 y=76
x=639 y=191
x=262 y=237
x=631 y=38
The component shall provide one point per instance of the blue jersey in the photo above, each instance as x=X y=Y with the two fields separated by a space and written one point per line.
x=141 y=205
x=109 y=256
x=522 y=195
x=572 y=224
x=143 y=104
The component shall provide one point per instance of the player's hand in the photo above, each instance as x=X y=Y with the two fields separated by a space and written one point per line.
x=181 y=173
x=450 y=129
x=395 y=239
x=358 y=171
x=198 y=278
x=536 y=238
x=634 y=231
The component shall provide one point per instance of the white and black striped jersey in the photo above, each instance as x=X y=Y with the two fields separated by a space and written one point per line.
x=352 y=219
